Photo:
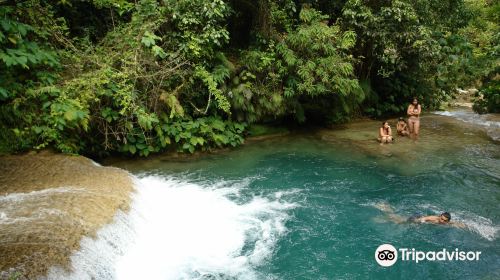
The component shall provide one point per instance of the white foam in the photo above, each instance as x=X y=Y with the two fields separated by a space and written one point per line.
x=492 y=127
x=181 y=230
x=444 y=113
x=18 y=197
x=12 y=202
x=481 y=225
x=96 y=256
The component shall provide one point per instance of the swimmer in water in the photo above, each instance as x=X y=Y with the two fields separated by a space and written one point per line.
x=441 y=219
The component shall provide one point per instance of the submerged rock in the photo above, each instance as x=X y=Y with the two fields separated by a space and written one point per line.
x=441 y=134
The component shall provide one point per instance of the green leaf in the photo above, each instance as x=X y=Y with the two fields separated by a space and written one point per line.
x=193 y=141
x=186 y=146
x=157 y=51
x=4 y=94
x=6 y=25
x=147 y=41
x=71 y=115
x=141 y=146
x=132 y=149
x=166 y=141
x=218 y=124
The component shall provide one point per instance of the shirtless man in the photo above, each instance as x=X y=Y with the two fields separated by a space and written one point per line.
x=402 y=127
x=441 y=219
x=414 y=110
x=385 y=133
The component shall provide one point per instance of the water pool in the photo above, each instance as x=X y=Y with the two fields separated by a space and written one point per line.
x=303 y=206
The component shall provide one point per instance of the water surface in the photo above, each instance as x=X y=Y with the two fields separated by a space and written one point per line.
x=303 y=207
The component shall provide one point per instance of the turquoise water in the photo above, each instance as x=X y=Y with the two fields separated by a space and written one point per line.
x=303 y=207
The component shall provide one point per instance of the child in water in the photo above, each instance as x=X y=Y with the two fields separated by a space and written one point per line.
x=402 y=127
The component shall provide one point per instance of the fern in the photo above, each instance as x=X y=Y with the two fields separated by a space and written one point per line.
x=212 y=86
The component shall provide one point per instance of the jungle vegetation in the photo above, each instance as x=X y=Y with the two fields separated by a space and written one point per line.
x=136 y=77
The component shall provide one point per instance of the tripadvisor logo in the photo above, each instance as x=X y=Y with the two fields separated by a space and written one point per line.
x=387 y=255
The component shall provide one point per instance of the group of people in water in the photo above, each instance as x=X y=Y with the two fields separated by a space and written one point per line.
x=409 y=128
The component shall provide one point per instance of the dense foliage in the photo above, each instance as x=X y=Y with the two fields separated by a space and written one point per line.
x=484 y=33
x=137 y=77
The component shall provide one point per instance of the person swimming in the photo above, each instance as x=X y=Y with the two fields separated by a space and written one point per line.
x=441 y=219
x=402 y=127
x=385 y=133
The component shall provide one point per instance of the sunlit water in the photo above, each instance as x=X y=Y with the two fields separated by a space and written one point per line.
x=303 y=207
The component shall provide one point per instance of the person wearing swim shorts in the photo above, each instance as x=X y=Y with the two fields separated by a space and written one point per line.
x=414 y=110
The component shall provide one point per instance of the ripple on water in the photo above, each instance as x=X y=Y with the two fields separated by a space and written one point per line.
x=490 y=122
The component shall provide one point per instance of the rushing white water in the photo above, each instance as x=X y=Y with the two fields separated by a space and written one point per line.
x=35 y=195
x=13 y=206
x=181 y=230
x=489 y=122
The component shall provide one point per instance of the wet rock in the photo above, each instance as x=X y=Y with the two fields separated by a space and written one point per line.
x=48 y=202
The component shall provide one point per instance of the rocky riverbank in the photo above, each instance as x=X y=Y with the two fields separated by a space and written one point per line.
x=48 y=202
